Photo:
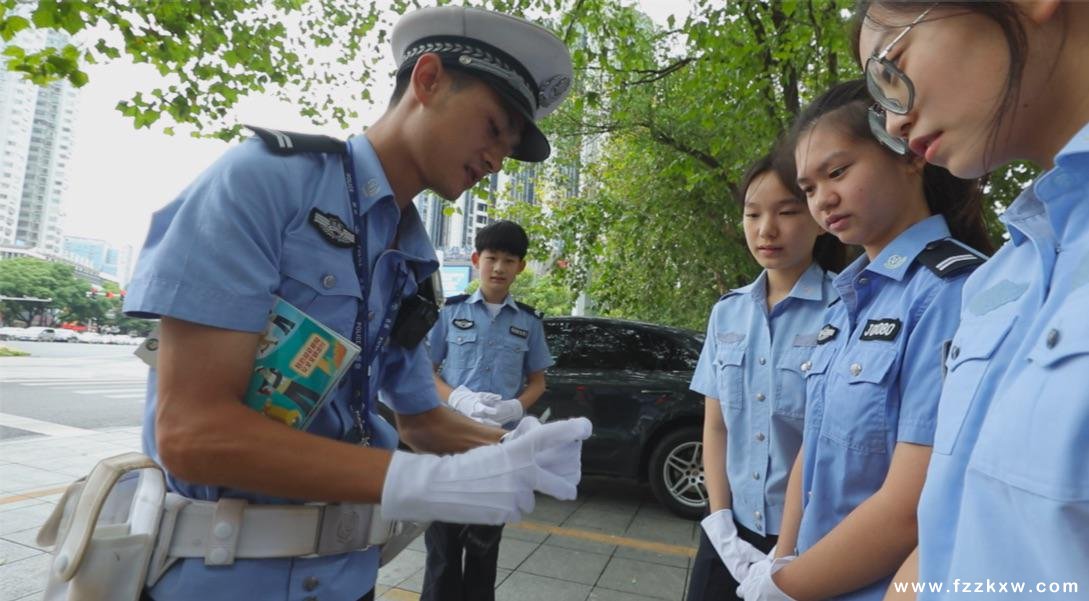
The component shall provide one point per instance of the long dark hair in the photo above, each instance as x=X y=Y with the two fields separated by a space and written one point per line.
x=1004 y=14
x=960 y=201
x=828 y=251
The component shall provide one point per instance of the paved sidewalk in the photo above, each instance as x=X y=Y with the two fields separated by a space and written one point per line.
x=614 y=543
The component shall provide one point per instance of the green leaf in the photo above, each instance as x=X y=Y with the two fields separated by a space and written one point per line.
x=11 y=26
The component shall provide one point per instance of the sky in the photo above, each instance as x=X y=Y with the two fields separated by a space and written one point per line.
x=118 y=176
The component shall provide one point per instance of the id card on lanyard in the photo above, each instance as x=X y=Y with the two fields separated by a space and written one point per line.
x=360 y=380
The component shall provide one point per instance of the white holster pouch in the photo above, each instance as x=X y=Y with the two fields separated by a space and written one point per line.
x=118 y=530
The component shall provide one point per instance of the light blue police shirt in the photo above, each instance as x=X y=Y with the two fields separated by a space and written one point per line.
x=242 y=233
x=1006 y=498
x=875 y=379
x=752 y=363
x=486 y=354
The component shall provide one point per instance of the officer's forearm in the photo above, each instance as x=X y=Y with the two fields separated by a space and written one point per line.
x=442 y=387
x=443 y=430
x=714 y=457
x=535 y=387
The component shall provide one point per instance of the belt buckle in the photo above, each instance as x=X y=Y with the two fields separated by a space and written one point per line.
x=343 y=527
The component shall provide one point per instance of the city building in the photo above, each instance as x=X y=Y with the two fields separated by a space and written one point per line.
x=36 y=134
x=109 y=259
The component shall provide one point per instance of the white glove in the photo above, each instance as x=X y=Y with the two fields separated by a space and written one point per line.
x=467 y=402
x=556 y=459
x=493 y=484
x=736 y=554
x=759 y=586
x=499 y=411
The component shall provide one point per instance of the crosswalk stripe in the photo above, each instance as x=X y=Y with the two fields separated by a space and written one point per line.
x=66 y=383
x=134 y=395
x=108 y=390
x=41 y=427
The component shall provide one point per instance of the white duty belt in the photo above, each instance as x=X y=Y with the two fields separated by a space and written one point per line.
x=229 y=529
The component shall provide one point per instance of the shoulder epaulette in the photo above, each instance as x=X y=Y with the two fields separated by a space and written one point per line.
x=285 y=142
x=531 y=310
x=947 y=257
x=453 y=300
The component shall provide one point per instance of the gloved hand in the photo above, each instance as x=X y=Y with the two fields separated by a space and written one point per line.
x=499 y=411
x=556 y=459
x=493 y=484
x=466 y=401
x=759 y=586
x=736 y=554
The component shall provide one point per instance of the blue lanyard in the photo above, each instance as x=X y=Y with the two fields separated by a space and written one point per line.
x=361 y=373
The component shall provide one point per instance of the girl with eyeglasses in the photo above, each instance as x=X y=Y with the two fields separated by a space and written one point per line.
x=750 y=371
x=971 y=86
x=872 y=385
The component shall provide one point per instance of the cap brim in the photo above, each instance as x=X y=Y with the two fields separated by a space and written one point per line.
x=534 y=146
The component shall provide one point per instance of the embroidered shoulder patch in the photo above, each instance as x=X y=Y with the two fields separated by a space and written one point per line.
x=881 y=329
x=335 y=231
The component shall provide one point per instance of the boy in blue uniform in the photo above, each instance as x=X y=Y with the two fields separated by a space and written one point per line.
x=330 y=227
x=490 y=354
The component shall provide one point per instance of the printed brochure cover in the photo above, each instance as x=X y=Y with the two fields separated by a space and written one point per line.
x=299 y=362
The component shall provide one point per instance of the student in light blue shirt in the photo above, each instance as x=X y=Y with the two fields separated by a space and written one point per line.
x=1005 y=508
x=750 y=373
x=873 y=384
x=490 y=356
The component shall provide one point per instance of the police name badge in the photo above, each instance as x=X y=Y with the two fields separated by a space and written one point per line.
x=827 y=333
x=519 y=332
x=881 y=329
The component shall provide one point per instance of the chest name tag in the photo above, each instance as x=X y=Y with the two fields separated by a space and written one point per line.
x=827 y=333
x=463 y=324
x=519 y=332
x=335 y=231
x=881 y=329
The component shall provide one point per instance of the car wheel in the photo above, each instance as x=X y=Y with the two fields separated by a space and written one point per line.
x=676 y=472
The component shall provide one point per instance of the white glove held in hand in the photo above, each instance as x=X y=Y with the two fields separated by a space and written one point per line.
x=493 y=484
x=759 y=586
x=467 y=402
x=736 y=554
x=499 y=411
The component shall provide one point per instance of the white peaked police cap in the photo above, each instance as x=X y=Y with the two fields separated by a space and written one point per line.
x=526 y=64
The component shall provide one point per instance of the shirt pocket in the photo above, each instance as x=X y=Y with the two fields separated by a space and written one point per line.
x=509 y=362
x=461 y=348
x=730 y=379
x=969 y=357
x=790 y=382
x=322 y=284
x=856 y=401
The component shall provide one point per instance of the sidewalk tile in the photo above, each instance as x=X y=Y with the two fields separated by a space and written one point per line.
x=528 y=587
x=407 y=563
x=12 y=552
x=579 y=544
x=604 y=594
x=643 y=578
x=666 y=559
x=512 y=552
x=565 y=564
x=24 y=577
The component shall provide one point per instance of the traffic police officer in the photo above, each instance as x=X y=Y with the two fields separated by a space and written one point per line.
x=330 y=228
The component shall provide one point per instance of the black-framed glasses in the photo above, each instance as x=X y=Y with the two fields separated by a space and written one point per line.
x=876 y=115
x=888 y=85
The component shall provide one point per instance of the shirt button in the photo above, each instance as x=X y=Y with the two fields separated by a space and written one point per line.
x=328 y=281
x=370 y=315
x=856 y=369
x=1052 y=338
x=760 y=396
x=760 y=436
x=758 y=515
x=756 y=475
x=863 y=281
x=459 y=338
x=955 y=352
x=311 y=583
x=808 y=365
x=763 y=360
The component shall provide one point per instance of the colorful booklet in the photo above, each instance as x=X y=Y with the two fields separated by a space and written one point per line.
x=299 y=363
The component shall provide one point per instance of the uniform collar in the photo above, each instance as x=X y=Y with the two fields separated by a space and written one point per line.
x=412 y=239
x=478 y=297
x=808 y=287
x=373 y=184
x=1060 y=192
x=897 y=256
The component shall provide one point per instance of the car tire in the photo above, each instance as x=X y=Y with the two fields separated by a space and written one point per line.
x=676 y=472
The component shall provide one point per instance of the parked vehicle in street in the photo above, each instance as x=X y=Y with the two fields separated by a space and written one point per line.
x=631 y=380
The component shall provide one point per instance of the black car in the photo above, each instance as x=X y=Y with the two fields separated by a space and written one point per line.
x=631 y=380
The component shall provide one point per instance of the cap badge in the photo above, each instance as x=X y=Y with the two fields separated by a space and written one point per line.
x=552 y=89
